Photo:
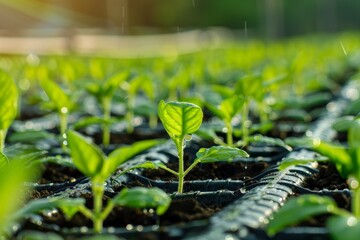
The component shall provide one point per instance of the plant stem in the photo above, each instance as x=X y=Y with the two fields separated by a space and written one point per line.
x=356 y=202
x=191 y=167
x=106 y=126
x=98 y=191
x=153 y=121
x=2 y=140
x=181 y=175
x=244 y=123
x=229 y=133
x=130 y=114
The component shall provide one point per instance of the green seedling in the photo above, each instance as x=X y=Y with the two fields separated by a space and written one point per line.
x=227 y=111
x=62 y=103
x=180 y=120
x=13 y=191
x=347 y=162
x=104 y=93
x=8 y=105
x=93 y=163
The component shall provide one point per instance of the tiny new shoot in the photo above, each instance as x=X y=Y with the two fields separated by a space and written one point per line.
x=93 y=163
x=8 y=105
x=104 y=93
x=180 y=120
x=62 y=103
x=347 y=162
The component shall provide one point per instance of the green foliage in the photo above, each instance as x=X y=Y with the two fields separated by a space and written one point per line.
x=181 y=119
x=8 y=105
x=290 y=213
x=92 y=162
x=140 y=197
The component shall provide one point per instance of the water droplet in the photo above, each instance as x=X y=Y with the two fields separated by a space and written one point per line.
x=188 y=137
x=243 y=190
x=309 y=133
x=64 y=110
x=352 y=221
x=353 y=183
x=139 y=228
x=129 y=227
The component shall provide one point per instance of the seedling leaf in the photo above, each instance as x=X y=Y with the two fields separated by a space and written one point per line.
x=56 y=95
x=8 y=101
x=269 y=140
x=344 y=227
x=219 y=153
x=119 y=156
x=289 y=214
x=86 y=157
x=180 y=118
x=140 y=197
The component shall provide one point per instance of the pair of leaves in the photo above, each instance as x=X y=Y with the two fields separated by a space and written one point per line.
x=107 y=88
x=180 y=118
x=92 y=162
x=8 y=101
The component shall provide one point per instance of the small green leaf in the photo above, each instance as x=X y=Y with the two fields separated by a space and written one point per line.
x=288 y=162
x=344 y=227
x=70 y=206
x=8 y=101
x=57 y=95
x=298 y=209
x=113 y=83
x=92 y=120
x=121 y=155
x=140 y=197
x=146 y=165
x=86 y=156
x=38 y=205
x=219 y=153
x=270 y=140
x=180 y=118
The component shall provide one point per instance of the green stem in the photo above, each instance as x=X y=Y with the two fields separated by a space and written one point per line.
x=356 y=202
x=191 y=167
x=244 y=123
x=109 y=207
x=181 y=175
x=106 y=126
x=153 y=121
x=229 y=133
x=2 y=140
x=98 y=191
x=130 y=115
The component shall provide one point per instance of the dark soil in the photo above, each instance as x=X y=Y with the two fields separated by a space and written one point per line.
x=55 y=173
x=327 y=178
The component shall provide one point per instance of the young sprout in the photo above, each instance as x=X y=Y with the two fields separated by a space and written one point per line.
x=93 y=163
x=180 y=120
x=62 y=103
x=8 y=105
x=226 y=111
x=347 y=162
x=104 y=93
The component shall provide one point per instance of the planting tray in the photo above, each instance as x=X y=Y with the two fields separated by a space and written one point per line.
x=245 y=203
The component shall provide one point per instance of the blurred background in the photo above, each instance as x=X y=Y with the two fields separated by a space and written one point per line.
x=93 y=25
